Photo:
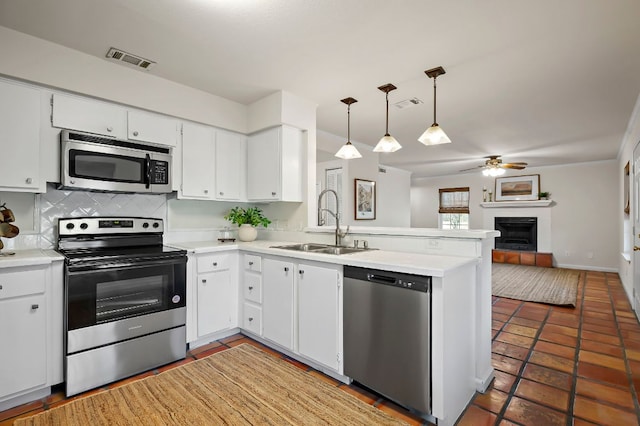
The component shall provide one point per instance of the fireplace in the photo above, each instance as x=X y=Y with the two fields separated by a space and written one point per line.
x=517 y=233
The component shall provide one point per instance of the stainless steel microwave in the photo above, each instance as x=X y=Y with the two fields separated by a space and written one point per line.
x=96 y=163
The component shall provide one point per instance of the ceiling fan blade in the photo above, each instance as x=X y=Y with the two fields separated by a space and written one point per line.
x=472 y=168
x=521 y=163
x=512 y=166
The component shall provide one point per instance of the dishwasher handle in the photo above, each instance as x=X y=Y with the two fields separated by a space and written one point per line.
x=382 y=279
x=401 y=280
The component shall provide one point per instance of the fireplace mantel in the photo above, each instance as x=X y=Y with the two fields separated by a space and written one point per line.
x=502 y=204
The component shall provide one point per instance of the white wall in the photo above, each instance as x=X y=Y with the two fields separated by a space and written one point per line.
x=394 y=194
x=584 y=216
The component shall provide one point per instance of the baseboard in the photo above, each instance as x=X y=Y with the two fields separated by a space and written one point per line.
x=588 y=268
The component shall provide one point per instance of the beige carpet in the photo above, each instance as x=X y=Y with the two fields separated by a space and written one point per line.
x=239 y=386
x=556 y=286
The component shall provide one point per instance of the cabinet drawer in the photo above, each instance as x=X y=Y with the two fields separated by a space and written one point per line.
x=252 y=287
x=252 y=319
x=20 y=282
x=212 y=262
x=252 y=263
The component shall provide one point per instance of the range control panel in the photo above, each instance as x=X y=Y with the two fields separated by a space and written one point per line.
x=109 y=225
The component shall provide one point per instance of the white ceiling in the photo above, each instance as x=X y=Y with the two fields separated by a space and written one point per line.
x=546 y=82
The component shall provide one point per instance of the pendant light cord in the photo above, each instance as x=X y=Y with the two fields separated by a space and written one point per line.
x=349 y=123
x=434 y=101
x=387 y=128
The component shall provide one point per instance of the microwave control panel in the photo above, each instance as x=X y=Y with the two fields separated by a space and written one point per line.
x=159 y=172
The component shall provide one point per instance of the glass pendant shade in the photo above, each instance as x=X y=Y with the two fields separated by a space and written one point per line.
x=493 y=172
x=434 y=135
x=387 y=144
x=348 y=152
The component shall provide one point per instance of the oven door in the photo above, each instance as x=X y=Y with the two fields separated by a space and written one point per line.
x=112 y=302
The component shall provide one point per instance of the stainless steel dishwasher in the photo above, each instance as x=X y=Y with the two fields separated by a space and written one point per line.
x=387 y=334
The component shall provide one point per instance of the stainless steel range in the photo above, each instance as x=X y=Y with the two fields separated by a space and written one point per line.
x=124 y=299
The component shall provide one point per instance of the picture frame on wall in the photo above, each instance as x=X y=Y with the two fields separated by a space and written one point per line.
x=518 y=188
x=365 y=199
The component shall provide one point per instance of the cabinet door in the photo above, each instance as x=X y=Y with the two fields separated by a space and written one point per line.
x=215 y=298
x=319 y=315
x=147 y=127
x=23 y=357
x=277 y=302
x=198 y=151
x=263 y=165
x=229 y=165
x=20 y=137
x=88 y=115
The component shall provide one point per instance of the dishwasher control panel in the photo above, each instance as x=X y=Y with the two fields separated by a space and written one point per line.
x=394 y=279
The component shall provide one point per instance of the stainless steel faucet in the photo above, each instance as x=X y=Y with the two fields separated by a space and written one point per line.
x=339 y=234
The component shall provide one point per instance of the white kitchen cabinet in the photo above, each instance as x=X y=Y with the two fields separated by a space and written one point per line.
x=20 y=138
x=230 y=165
x=277 y=301
x=275 y=164
x=320 y=314
x=155 y=128
x=198 y=152
x=251 y=283
x=89 y=115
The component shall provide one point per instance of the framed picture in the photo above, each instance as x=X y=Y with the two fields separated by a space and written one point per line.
x=365 y=199
x=518 y=188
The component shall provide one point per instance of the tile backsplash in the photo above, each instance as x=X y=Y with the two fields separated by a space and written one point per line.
x=56 y=203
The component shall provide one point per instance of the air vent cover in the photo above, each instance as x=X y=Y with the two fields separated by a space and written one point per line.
x=408 y=103
x=122 y=56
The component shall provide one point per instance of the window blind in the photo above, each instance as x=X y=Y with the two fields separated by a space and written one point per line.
x=454 y=200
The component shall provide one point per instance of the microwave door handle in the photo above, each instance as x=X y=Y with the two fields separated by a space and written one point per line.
x=147 y=171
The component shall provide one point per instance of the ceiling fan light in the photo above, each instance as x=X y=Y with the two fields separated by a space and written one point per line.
x=348 y=152
x=500 y=172
x=387 y=144
x=434 y=135
x=486 y=172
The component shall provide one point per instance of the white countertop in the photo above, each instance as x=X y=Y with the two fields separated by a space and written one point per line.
x=474 y=234
x=411 y=263
x=29 y=258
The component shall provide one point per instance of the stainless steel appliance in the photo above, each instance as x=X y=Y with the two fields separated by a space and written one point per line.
x=387 y=334
x=103 y=164
x=124 y=299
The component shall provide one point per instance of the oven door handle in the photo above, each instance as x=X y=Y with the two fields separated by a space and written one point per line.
x=102 y=265
x=147 y=171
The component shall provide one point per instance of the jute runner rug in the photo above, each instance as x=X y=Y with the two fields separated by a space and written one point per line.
x=556 y=286
x=239 y=386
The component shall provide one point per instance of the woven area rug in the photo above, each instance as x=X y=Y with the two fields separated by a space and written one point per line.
x=239 y=386
x=556 y=286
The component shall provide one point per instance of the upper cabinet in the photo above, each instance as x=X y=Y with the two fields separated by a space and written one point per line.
x=155 y=128
x=20 y=138
x=274 y=165
x=198 y=172
x=88 y=115
x=230 y=165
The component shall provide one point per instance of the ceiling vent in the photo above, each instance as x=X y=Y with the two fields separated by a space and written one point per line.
x=136 y=61
x=408 y=103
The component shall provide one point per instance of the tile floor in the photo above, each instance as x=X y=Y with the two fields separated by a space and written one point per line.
x=553 y=365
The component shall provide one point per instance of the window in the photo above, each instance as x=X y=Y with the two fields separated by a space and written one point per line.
x=454 y=208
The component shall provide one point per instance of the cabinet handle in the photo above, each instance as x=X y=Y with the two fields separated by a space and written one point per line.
x=286 y=269
x=250 y=287
x=206 y=191
x=273 y=194
x=204 y=281
x=135 y=133
x=250 y=263
x=0 y=287
x=221 y=193
x=215 y=263
x=35 y=306
x=109 y=129
x=250 y=319
x=301 y=271
x=28 y=180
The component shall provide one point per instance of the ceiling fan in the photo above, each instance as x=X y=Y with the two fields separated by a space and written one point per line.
x=494 y=166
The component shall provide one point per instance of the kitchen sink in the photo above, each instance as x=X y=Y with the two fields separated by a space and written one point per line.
x=322 y=248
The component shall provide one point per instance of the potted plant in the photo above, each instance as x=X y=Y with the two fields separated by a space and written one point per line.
x=543 y=195
x=247 y=220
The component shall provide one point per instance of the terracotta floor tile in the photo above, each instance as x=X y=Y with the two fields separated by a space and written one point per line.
x=300 y=365
x=507 y=423
x=363 y=395
x=630 y=335
x=555 y=349
x=552 y=361
x=599 y=337
x=604 y=393
x=529 y=413
x=10 y=421
x=603 y=348
x=211 y=352
x=503 y=363
x=564 y=320
x=601 y=413
x=21 y=409
x=230 y=339
x=497 y=325
x=515 y=339
x=131 y=379
x=492 y=400
x=400 y=413
x=521 y=330
x=203 y=348
x=598 y=315
x=500 y=317
x=543 y=394
x=602 y=360
x=560 y=329
x=597 y=321
x=525 y=322
x=532 y=315
x=509 y=350
x=635 y=367
x=54 y=397
x=561 y=339
x=603 y=374
x=503 y=381
x=601 y=329
x=631 y=344
x=324 y=377
x=580 y=422
x=548 y=376
x=476 y=416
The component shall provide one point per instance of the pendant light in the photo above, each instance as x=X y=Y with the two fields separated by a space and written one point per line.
x=434 y=135
x=388 y=143
x=348 y=151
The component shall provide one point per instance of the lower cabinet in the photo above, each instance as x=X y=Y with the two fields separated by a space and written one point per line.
x=277 y=301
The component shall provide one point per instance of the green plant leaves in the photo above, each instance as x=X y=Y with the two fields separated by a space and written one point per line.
x=252 y=216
